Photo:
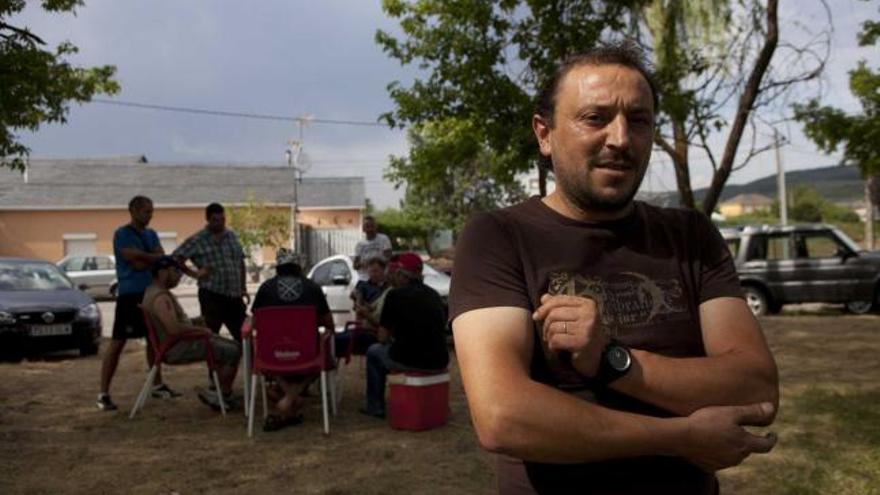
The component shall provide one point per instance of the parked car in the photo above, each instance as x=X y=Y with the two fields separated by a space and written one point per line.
x=42 y=310
x=804 y=263
x=94 y=273
x=337 y=277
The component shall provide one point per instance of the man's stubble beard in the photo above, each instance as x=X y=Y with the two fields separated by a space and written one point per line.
x=581 y=191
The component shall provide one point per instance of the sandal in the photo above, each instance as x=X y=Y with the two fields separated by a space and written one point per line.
x=274 y=422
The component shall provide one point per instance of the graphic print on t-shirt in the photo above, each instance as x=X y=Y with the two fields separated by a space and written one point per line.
x=625 y=299
x=289 y=288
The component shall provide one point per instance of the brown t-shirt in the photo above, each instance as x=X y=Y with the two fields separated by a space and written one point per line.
x=648 y=274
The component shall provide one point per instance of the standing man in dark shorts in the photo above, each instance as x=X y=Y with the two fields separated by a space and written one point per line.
x=135 y=247
x=604 y=343
x=216 y=252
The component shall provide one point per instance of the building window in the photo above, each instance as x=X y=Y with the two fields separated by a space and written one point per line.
x=79 y=243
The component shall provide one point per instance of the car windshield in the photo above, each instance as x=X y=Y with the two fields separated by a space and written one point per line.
x=32 y=276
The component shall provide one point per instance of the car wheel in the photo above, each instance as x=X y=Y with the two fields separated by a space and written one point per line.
x=859 y=307
x=113 y=291
x=756 y=300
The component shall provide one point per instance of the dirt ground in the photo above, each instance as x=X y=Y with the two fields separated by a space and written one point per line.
x=53 y=440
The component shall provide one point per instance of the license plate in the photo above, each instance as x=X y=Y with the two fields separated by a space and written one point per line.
x=47 y=330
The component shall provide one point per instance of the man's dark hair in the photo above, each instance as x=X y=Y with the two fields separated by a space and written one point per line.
x=138 y=201
x=370 y=218
x=377 y=260
x=289 y=270
x=212 y=209
x=626 y=54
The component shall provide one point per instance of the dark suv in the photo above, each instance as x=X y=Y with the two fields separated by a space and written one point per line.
x=804 y=263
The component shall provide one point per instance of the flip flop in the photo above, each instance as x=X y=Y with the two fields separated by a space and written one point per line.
x=274 y=422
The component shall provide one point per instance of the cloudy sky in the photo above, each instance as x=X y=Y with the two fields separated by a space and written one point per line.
x=294 y=58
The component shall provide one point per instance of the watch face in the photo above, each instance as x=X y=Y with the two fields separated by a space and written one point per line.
x=618 y=358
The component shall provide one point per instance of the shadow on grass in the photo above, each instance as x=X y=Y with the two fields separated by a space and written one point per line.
x=837 y=445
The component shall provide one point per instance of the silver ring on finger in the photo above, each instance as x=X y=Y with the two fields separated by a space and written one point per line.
x=564 y=327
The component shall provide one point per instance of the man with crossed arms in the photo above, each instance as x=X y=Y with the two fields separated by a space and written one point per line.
x=604 y=343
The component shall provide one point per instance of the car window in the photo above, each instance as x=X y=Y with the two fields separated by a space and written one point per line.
x=769 y=247
x=339 y=268
x=91 y=264
x=104 y=263
x=325 y=273
x=321 y=275
x=74 y=264
x=32 y=276
x=820 y=245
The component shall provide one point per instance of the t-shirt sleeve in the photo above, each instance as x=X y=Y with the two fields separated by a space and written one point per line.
x=386 y=319
x=187 y=249
x=385 y=243
x=125 y=238
x=153 y=237
x=487 y=271
x=260 y=298
x=718 y=276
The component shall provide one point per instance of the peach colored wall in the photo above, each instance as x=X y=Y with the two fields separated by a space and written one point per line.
x=39 y=234
x=331 y=219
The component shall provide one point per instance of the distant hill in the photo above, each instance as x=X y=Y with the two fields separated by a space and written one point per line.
x=839 y=184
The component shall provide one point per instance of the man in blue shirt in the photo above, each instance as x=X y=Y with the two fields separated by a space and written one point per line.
x=136 y=247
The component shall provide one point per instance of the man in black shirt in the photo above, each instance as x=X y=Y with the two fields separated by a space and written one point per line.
x=411 y=331
x=290 y=288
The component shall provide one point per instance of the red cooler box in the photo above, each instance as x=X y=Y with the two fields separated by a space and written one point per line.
x=418 y=401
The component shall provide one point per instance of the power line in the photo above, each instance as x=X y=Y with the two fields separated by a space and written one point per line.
x=244 y=115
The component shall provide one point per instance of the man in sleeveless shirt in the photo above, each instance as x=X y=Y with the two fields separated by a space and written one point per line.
x=169 y=318
x=604 y=344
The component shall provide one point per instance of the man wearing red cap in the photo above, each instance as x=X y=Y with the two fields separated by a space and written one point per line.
x=411 y=332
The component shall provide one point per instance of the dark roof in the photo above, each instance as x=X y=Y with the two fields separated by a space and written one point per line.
x=112 y=182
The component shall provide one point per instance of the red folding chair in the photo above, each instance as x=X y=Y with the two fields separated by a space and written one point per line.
x=284 y=341
x=161 y=349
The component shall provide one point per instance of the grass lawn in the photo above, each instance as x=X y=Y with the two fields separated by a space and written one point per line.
x=53 y=440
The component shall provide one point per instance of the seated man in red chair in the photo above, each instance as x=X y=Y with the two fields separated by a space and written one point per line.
x=289 y=287
x=169 y=318
x=412 y=332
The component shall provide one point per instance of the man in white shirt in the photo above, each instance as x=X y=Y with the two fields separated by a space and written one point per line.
x=375 y=245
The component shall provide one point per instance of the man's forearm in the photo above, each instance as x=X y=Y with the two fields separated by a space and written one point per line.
x=683 y=385
x=540 y=423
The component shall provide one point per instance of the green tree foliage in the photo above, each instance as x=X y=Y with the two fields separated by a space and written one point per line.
x=857 y=134
x=258 y=225
x=451 y=173
x=408 y=228
x=37 y=84
x=806 y=204
x=482 y=60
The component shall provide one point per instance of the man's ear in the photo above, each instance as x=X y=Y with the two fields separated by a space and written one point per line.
x=542 y=133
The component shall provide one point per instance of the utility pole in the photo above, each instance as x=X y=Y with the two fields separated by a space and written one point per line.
x=294 y=155
x=780 y=181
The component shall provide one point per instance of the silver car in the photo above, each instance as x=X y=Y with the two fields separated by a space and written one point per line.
x=95 y=274
x=337 y=277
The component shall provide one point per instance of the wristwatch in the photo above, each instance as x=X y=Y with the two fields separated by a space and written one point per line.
x=614 y=363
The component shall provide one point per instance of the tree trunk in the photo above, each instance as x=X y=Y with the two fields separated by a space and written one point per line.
x=746 y=101
x=872 y=198
x=682 y=166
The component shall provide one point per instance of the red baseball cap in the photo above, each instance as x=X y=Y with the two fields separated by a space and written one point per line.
x=410 y=262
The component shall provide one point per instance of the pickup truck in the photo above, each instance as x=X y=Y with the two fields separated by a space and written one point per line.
x=779 y=265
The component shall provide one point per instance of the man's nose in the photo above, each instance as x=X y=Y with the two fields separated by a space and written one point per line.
x=618 y=133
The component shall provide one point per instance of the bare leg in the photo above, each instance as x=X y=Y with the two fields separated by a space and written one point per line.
x=110 y=362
